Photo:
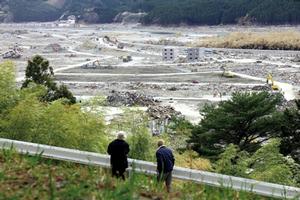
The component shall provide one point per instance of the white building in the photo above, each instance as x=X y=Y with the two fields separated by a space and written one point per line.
x=192 y=54
x=70 y=22
x=168 y=54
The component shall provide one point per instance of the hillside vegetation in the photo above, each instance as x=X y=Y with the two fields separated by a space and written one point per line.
x=24 y=177
x=167 y=12
x=31 y=10
x=212 y=12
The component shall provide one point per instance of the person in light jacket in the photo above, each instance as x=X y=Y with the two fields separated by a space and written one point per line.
x=165 y=164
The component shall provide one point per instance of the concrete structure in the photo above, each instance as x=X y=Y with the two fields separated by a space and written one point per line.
x=158 y=126
x=168 y=54
x=192 y=54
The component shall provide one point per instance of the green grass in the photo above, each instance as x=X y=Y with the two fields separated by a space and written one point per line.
x=27 y=177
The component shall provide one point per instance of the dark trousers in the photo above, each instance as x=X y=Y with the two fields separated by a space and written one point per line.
x=167 y=178
x=118 y=172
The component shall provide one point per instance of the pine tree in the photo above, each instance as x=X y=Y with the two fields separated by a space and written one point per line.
x=290 y=133
x=39 y=72
x=247 y=120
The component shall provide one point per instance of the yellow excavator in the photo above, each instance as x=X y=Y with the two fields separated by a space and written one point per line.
x=270 y=82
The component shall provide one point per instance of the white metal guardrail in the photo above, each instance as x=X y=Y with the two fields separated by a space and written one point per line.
x=208 y=178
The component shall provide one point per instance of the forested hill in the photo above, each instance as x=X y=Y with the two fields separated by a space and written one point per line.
x=165 y=12
x=222 y=11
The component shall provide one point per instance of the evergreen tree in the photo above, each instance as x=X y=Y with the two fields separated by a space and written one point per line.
x=247 y=120
x=290 y=133
x=39 y=72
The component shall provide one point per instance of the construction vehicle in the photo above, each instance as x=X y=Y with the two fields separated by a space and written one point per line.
x=226 y=73
x=270 y=82
x=112 y=41
x=91 y=65
x=126 y=58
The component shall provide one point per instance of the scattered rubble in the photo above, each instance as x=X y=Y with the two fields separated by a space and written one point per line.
x=54 y=48
x=296 y=59
x=265 y=88
x=14 y=32
x=166 y=42
x=88 y=44
x=140 y=85
x=11 y=54
x=72 y=55
x=129 y=99
x=14 y=53
x=120 y=46
x=162 y=112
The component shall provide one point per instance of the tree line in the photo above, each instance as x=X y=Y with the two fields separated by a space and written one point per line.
x=167 y=12
x=215 y=12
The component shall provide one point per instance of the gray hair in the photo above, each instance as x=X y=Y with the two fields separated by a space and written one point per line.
x=121 y=135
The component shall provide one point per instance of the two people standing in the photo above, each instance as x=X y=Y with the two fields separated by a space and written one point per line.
x=119 y=149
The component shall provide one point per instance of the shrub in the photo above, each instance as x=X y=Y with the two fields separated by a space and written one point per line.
x=141 y=145
x=190 y=159
x=271 y=166
x=232 y=162
x=54 y=124
x=8 y=91
x=266 y=164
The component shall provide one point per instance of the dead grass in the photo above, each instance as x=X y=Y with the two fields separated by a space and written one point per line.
x=287 y=40
x=190 y=159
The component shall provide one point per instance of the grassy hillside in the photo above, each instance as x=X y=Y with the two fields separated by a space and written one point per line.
x=24 y=177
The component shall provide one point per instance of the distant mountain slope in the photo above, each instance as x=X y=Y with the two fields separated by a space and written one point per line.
x=32 y=10
x=165 y=12
x=222 y=11
x=57 y=3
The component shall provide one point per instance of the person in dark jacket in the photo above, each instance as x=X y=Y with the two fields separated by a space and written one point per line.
x=118 y=151
x=165 y=164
